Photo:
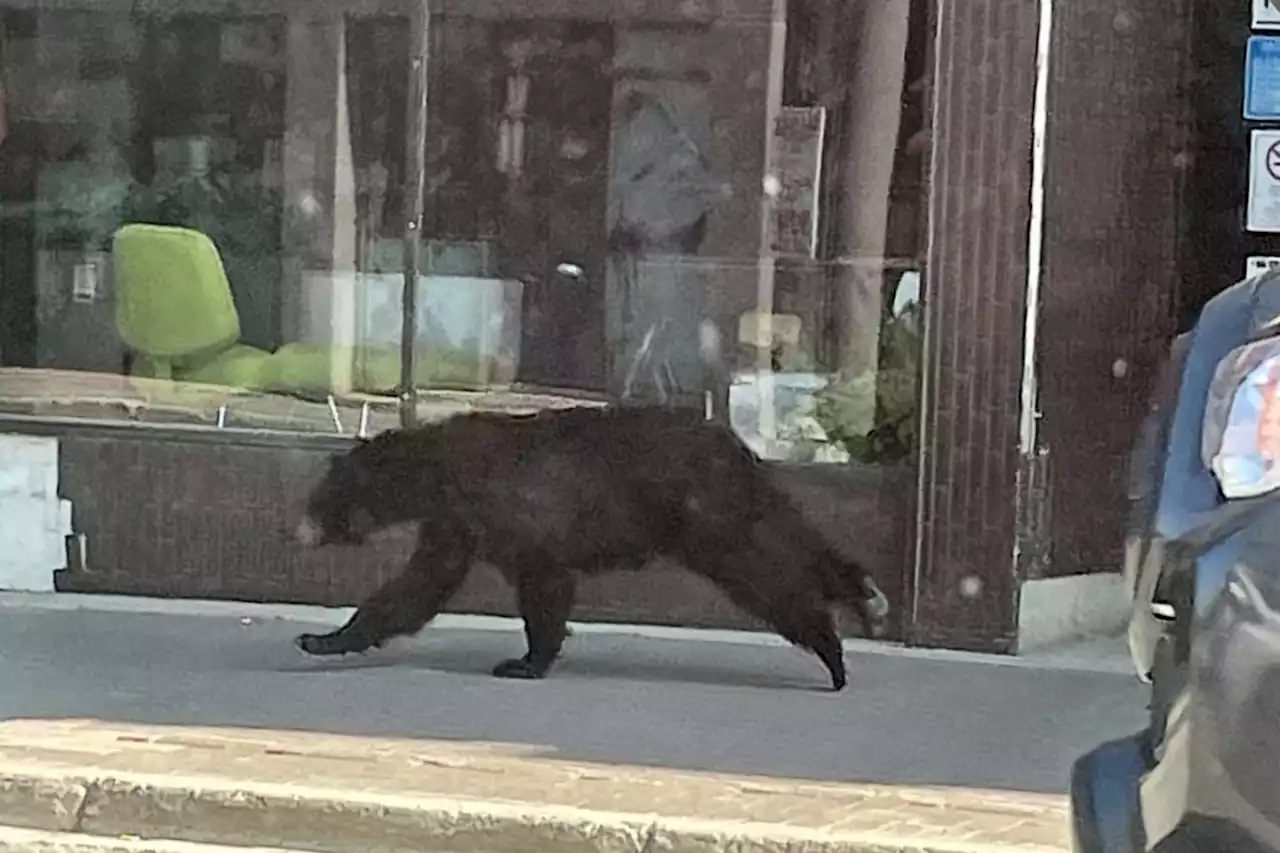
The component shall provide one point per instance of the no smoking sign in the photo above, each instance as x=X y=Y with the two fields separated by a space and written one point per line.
x=1266 y=15
x=1263 y=211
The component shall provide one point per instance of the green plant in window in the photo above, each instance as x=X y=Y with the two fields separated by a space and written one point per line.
x=84 y=202
x=230 y=205
x=892 y=389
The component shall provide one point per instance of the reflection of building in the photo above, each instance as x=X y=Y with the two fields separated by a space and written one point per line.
x=627 y=140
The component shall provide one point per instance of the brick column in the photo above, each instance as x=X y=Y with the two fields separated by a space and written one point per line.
x=983 y=83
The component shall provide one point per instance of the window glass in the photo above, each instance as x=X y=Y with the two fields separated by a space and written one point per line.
x=203 y=214
x=187 y=195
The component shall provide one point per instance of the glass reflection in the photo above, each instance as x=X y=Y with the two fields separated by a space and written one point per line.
x=203 y=210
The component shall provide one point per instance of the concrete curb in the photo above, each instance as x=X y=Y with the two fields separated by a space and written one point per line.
x=341 y=794
x=213 y=812
x=14 y=840
x=1101 y=655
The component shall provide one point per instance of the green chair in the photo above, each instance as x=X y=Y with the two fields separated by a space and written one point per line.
x=174 y=309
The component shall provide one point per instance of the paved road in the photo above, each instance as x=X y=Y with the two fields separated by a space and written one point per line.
x=702 y=706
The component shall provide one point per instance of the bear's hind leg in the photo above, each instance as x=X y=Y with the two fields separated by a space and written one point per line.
x=813 y=628
x=774 y=593
x=799 y=618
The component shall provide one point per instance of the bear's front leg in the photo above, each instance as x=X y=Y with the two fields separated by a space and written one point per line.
x=403 y=605
x=545 y=595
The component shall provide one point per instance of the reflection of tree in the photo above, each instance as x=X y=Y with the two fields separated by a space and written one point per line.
x=660 y=202
x=377 y=90
x=662 y=179
x=229 y=204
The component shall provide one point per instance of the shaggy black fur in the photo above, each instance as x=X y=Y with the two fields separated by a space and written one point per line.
x=548 y=497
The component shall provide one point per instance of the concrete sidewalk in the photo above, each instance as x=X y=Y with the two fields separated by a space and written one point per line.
x=717 y=707
x=1100 y=654
x=208 y=728
x=362 y=795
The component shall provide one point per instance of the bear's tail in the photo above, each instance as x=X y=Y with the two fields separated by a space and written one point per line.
x=845 y=583
x=857 y=590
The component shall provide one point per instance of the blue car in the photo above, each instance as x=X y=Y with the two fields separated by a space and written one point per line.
x=1202 y=564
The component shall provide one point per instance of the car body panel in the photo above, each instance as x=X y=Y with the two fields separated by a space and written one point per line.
x=1106 y=816
x=1186 y=495
x=1205 y=585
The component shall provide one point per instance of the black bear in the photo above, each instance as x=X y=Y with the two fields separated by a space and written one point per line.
x=548 y=497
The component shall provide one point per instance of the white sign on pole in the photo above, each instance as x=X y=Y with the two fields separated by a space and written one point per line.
x=1258 y=264
x=1263 y=212
x=1266 y=14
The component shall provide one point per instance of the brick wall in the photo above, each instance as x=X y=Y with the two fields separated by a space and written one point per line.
x=976 y=280
x=1111 y=260
x=193 y=516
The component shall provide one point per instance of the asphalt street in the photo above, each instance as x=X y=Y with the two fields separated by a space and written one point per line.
x=687 y=704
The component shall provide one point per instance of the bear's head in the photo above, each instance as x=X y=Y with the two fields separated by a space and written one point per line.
x=351 y=500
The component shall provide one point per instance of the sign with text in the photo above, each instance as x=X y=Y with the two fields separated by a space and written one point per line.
x=797 y=169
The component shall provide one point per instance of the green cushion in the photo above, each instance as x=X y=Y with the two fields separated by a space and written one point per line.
x=377 y=369
x=311 y=369
x=172 y=295
x=239 y=366
x=308 y=368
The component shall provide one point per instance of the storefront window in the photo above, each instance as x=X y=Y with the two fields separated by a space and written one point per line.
x=203 y=214
x=174 y=181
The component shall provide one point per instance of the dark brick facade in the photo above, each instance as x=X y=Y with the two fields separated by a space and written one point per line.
x=1114 y=248
x=977 y=262
x=1112 y=258
x=199 y=514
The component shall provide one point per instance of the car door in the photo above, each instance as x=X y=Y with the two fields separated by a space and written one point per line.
x=1172 y=491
